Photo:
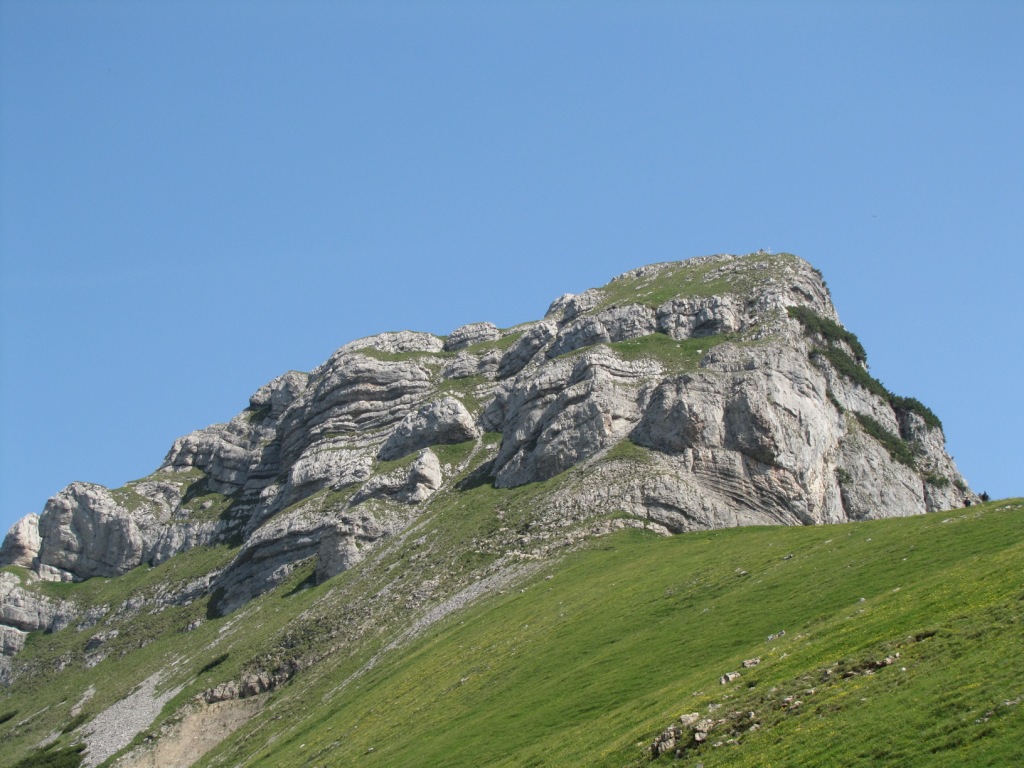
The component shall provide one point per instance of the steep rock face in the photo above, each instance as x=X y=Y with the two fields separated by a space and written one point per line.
x=876 y=485
x=686 y=394
x=86 y=532
x=24 y=610
x=568 y=410
x=21 y=545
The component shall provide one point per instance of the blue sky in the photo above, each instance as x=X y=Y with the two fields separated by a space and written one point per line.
x=196 y=197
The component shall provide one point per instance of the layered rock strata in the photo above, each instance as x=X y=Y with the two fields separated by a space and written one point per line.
x=687 y=394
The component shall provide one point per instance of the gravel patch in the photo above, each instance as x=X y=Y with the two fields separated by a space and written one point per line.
x=112 y=729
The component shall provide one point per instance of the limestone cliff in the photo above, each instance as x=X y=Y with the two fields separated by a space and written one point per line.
x=714 y=392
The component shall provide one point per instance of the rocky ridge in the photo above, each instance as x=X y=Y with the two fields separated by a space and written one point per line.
x=681 y=396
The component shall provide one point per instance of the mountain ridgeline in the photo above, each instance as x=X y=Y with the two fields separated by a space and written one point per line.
x=410 y=475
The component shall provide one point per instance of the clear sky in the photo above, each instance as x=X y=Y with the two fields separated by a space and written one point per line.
x=198 y=196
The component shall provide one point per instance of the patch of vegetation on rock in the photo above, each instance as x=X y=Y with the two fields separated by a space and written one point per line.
x=627 y=450
x=897 y=448
x=712 y=277
x=830 y=330
x=852 y=368
x=913 y=405
x=676 y=356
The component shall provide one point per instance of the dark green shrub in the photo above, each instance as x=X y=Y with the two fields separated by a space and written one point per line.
x=74 y=722
x=257 y=415
x=834 y=400
x=829 y=330
x=913 y=405
x=847 y=367
x=898 y=449
x=851 y=368
x=54 y=757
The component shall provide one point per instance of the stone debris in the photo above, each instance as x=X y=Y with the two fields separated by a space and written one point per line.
x=99 y=639
x=114 y=727
x=694 y=730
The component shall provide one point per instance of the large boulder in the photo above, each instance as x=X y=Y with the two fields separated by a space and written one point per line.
x=443 y=421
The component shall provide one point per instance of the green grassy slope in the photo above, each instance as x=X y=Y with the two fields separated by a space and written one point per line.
x=588 y=666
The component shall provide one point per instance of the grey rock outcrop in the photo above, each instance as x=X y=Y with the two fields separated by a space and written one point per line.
x=585 y=331
x=278 y=394
x=466 y=365
x=21 y=545
x=270 y=554
x=565 y=412
x=612 y=324
x=442 y=421
x=327 y=467
x=569 y=305
x=337 y=532
x=876 y=486
x=395 y=342
x=700 y=316
x=409 y=485
x=23 y=610
x=628 y=322
x=345 y=544
x=353 y=397
x=86 y=532
x=526 y=348
x=474 y=333
x=225 y=453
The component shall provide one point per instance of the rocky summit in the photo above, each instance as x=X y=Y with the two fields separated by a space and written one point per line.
x=716 y=392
